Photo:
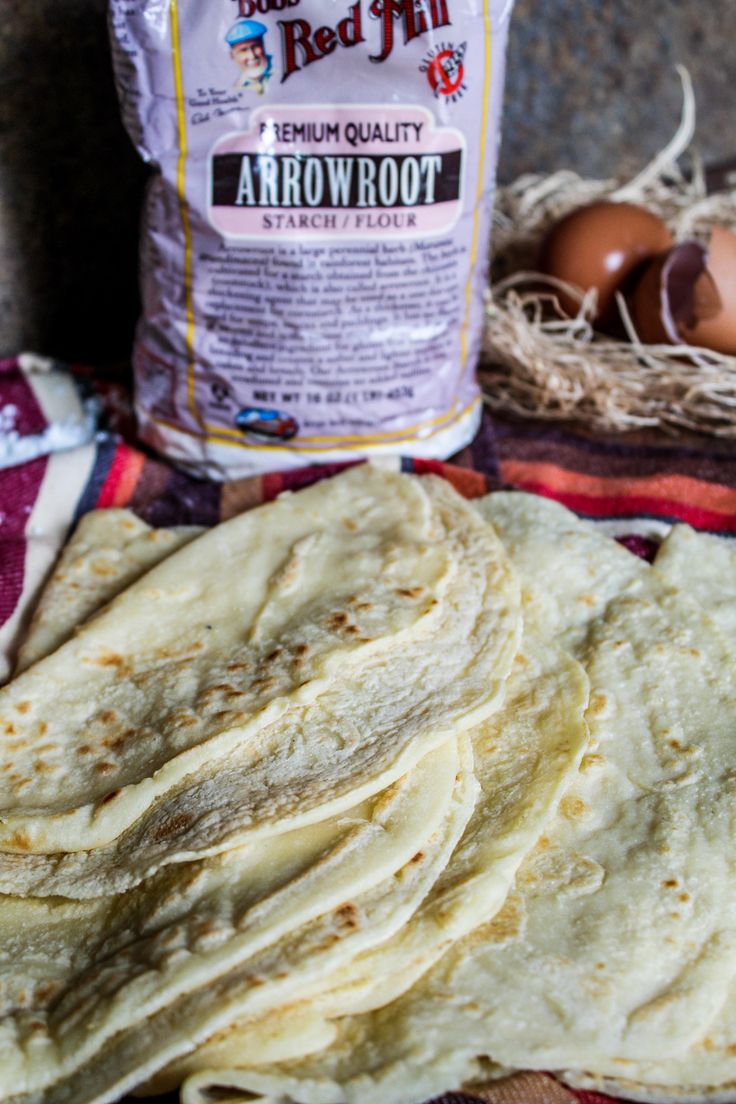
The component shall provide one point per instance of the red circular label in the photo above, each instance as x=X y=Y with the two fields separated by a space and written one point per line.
x=442 y=74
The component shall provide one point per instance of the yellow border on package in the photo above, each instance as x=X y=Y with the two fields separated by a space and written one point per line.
x=184 y=211
x=479 y=190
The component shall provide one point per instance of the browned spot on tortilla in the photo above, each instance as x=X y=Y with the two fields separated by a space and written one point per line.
x=351 y=630
x=274 y=655
x=520 y=659
x=104 y=767
x=109 y=659
x=347 y=916
x=684 y=897
x=223 y=716
x=110 y=797
x=336 y=621
x=102 y=569
x=417 y=858
x=10 y=729
x=20 y=841
x=506 y=924
x=670 y=883
x=675 y=744
x=173 y=826
x=230 y=717
x=410 y=592
x=264 y=683
x=40 y=767
x=181 y=717
x=675 y=915
x=600 y=965
x=84 y=749
x=598 y=703
x=301 y=649
x=239 y=666
x=364 y=606
x=23 y=706
x=543 y=843
x=233 y=694
x=42 y=728
x=586 y=599
x=349 y=524
x=572 y=807
x=694 y=651
x=590 y=761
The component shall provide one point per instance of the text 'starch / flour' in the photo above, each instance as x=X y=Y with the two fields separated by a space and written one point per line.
x=316 y=232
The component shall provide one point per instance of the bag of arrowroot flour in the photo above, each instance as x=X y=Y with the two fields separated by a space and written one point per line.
x=316 y=231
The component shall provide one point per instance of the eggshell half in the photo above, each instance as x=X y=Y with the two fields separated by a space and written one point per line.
x=714 y=307
x=688 y=296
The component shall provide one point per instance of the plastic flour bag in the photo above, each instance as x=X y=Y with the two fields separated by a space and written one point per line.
x=316 y=232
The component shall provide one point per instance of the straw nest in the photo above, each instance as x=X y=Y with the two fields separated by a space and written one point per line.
x=537 y=362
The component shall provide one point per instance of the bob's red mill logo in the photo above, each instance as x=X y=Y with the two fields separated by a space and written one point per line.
x=302 y=43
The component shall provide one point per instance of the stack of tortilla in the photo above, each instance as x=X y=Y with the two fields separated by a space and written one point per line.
x=368 y=794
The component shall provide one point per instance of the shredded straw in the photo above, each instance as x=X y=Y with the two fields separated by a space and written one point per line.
x=538 y=362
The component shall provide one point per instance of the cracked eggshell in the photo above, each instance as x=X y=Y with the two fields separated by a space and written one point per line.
x=688 y=296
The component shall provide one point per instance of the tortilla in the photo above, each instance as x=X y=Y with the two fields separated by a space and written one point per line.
x=524 y=759
x=278 y=1037
x=569 y=569
x=704 y=567
x=617 y=946
x=522 y=777
x=75 y=974
x=233 y=642
x=628 y=903
x=107 y=552
x=671 y=1088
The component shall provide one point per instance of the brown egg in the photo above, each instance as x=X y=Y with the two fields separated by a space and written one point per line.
x=600 y=246
x=688 y=296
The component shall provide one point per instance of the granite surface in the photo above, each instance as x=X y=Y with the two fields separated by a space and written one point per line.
x=591 y=85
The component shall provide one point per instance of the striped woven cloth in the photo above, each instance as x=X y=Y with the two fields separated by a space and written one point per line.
x=57 y=464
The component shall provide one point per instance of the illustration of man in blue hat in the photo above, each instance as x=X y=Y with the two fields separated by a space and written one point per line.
x=247 y=49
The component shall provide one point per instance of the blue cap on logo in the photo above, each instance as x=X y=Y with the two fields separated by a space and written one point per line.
x=244 y=30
